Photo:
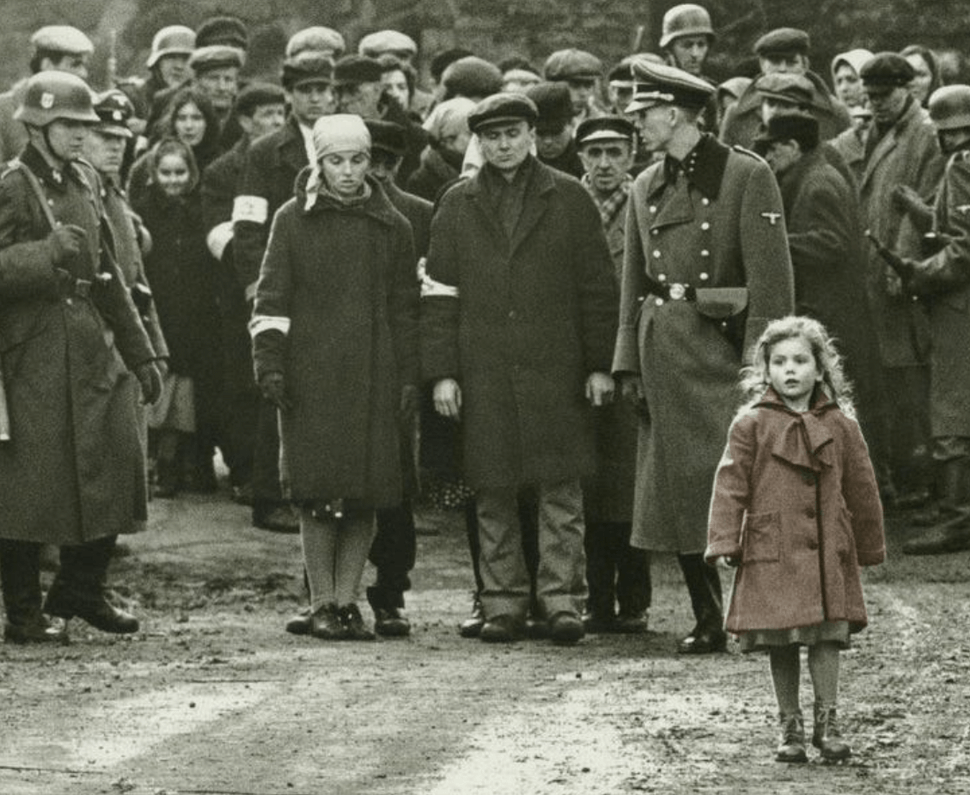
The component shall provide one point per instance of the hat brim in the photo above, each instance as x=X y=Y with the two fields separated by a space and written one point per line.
x=604 y=135
x=643 y=104
x=118 y=130
x=496 y=120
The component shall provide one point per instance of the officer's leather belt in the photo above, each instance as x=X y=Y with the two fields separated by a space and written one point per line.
x=674 y=291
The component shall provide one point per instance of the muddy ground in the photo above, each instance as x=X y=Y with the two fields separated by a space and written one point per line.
x=213 y=697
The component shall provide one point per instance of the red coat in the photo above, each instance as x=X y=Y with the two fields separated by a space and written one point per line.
x=796 y=501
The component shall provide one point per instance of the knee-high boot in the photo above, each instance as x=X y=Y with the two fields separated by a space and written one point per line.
x=952 y=534
x=704 y=587
x=20 y=579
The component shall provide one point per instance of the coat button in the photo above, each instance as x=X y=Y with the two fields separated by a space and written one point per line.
x=653 y=208
x=705 y=252
x=656 y=253
x=659 y=301
x=654 y=231
x=705 y=226
x=704 y=277
x=813 y=544
x=662 y=277
x=810 y=513
x=705 y=201
x=512 y=315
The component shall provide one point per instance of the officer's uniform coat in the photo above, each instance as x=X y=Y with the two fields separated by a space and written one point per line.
x=908 y=154
x=724 y=226
x=74 y=469
x=943 y=282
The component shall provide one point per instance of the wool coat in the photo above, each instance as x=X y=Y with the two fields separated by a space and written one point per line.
x=796 y=503
x=724 y=226
x=336 y=313
x=533 y=316
x=943 y=282
x=908 y=154
x=74 y=470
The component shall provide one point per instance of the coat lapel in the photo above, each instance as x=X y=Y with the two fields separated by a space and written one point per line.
x=534 y=207
x=476 y=195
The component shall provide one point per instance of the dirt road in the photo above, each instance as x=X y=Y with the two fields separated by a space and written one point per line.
x=213 y=697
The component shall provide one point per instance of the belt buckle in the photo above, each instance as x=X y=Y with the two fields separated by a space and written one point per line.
x=677 y=291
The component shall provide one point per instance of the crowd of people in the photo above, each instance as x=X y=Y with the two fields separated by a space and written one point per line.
x=526 y=294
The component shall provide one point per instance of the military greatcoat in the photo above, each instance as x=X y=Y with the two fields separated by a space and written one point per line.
x=74 y=469
x=719 y=222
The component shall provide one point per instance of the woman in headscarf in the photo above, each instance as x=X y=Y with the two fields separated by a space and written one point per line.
x=336 y=349
x=927 y=68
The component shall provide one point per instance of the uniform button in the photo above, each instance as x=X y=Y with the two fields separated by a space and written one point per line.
x=659 y=302
x=653 y=208
x=662 y=277
x=705 y=201
x=810 y=513
x=69 y=302
x=705 y=253
x=656 y=253
x=512 y=315
x=705 y=226
x=654 y=231
x=813 y=544
x=704 y=277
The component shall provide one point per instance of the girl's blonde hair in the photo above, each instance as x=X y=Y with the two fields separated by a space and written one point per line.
x=754 y=377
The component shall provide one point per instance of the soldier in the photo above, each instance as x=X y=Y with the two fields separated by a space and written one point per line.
x=59 y=47
x=581 y=71
x=940 y=281
x=69 y=390
x=555 y=128
x=706 y=267
x=618 y=575
x=523 y=248
x=686 y=39
x=269 y=170
x=784 y=50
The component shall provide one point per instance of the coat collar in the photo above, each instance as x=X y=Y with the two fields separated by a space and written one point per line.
x=914 y=114
x=377 y=206
x=49 y=176
x=805 y=438
x=290 y=146
x=703 y=167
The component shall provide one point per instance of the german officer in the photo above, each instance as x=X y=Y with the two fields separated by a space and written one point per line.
x=706 y=266
x=73 y=472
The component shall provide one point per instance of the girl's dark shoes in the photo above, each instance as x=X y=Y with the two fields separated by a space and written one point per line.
x=325 y=624
x=353 y=623
x=791 y=749
x=826 y=735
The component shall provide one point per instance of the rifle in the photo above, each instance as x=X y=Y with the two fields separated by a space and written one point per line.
x=903 y=269
x=4 y=413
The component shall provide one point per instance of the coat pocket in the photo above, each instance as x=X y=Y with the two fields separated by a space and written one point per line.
x=760 y=538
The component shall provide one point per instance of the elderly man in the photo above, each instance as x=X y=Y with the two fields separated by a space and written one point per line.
x=784 y=50
x=706 y=267
x=518 y=319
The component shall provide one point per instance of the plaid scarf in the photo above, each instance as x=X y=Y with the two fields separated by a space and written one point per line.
x=610 y=206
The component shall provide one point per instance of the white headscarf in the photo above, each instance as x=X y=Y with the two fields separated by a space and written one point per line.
x=339 y=132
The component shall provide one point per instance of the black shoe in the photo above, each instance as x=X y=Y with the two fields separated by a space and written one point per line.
x=565 y=629
x=327 y=624
x=703 y=641
x=597 y=623
x=631 y=623
x=301 y=623
x=242 y=494
x=279 y=519
x=353 y=623
x=536 y=626
x=502 y=629
x=390 y=622
x=38 y=630
x=94 y=609
x=471 y=627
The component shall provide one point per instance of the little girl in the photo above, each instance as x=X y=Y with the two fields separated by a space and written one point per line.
x=796 y=510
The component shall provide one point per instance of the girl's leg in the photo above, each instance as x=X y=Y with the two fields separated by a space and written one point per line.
x=357 y=530
x=823 y=665
x=785 y=675
x=319 y=537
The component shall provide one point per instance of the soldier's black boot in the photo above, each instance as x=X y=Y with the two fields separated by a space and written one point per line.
x=79 y=588
x=704 y=587
x=952 y=533
x=20 y=580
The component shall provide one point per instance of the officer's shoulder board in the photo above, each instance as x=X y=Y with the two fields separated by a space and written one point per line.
x=744 y=151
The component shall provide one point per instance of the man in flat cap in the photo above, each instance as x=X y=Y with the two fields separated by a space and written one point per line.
x=59 y=47
x=517 y=328
x=555 y=128
x=783 y=50
x=388 y=42
x=581 y=71
x=903 y=168
x=315 y=41
x=706 y=266
x=618 y=574
x=269 y=170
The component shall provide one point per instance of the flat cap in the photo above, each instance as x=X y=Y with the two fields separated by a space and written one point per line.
x=733 y=87
x=661 y=84
x=445 y=59
x=605 y=128
x=61 y=38
x=388 y=136
x=800 y=127
x=888 y=69
x=500 y=108
x=471 y=76
x=783 y=41
x=222 y=30
x=621 y=74
x=316 y=39
x=786 y=87
x=216 y=56
x=353 y=69
x=383 y=41
x=572 y=65
x=257 y=94
x=307 y=69
x=554 y=105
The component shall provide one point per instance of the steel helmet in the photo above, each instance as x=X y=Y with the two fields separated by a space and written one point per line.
x=686 y=20
x=53 y=95
x=949 y=107
x=171 y=40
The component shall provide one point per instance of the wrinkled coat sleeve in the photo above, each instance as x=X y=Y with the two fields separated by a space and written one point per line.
x=440 y=308
x=272 y=299
x=862 y=498
x=403 y=305
x=27 y=267
x=818 y=227
x=732 y=491
x=626 y=356
x=250 y=236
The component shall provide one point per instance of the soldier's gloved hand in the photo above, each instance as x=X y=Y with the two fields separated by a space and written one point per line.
x=632 y=392
x=410 y=398
x=150 y=380
x=273 y=387
x=65 y=241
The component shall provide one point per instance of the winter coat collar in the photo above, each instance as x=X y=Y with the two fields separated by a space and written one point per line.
x=43 y=170
x=703 y=167
x=805 y=438
x=377 y=206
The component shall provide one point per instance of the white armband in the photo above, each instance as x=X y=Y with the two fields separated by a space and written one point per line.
x=261 y=323
x=254 y=209
x=431 y=288
x=218 y=238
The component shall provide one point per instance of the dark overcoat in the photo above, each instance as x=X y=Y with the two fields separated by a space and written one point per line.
x=74 y=469
x=533 y=317
x=722 y=227
x=943 y=282
x=342 y=280
x=796 y=502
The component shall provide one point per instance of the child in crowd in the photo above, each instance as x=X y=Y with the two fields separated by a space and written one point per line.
x=796 y=511
x=181 y=274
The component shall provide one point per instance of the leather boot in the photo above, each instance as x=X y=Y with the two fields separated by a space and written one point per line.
x=954 y=483
x=826 y=735
x=20 y=580
x=791 y=747
x=704 y=587
x=952 y=533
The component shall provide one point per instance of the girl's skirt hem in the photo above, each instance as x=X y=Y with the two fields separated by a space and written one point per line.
x=766 y=639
